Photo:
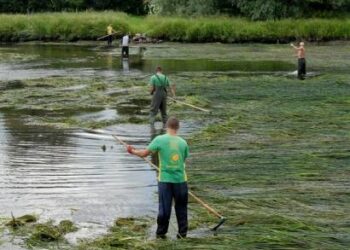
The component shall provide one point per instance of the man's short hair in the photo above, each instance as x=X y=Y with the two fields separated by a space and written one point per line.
x=158 y=69
x=173 y=123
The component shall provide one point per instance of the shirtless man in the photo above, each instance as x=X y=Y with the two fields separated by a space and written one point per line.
x=301 y=60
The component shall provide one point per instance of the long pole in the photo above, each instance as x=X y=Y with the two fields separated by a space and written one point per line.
x=206 y=206
x=190 y=105
x=103 y=37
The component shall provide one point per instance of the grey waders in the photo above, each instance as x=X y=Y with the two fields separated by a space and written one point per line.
x=159 y=103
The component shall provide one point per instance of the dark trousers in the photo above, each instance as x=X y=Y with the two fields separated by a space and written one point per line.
x=301 y=68
x=125 y=51
x=158 y=103
x=109 y=40
x=167 y=192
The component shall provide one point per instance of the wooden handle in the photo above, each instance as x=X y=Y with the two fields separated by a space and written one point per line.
x=190 y=105
x=151 y=163
x=206 y=206
x=211 y=210
x=120 y=140
x=190 y=193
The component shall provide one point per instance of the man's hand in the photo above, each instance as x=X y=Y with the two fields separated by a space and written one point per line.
x=295 y=47
x=152 y=90
x=130 y=149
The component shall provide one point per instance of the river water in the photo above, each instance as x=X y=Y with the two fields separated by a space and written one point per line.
x=66 y=174
x=73 y=174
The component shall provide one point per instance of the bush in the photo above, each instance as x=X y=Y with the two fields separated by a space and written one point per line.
x=91 y=25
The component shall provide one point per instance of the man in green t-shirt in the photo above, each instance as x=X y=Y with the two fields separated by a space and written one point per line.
x=159 y=85
x=172 y=180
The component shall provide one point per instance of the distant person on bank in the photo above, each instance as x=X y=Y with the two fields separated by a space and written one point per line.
x=110 y=32
x=172 y=179
x=125 y=46
x=159 y=86
x=301 y=60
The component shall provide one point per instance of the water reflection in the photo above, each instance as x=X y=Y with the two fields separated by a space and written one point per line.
x=64 y=174
x=33 y=61
x=125 y=63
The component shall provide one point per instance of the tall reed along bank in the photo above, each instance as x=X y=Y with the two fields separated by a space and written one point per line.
x=91 y=25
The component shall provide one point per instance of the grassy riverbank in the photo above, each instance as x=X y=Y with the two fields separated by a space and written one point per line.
x=91 y=25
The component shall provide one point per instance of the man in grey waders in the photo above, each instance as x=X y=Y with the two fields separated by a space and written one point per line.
x=159 y=84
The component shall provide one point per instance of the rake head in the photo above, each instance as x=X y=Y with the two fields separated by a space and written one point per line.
x=222 y=221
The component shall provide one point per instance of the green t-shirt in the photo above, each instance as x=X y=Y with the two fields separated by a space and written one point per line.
x=159 y=80
x=172 y=152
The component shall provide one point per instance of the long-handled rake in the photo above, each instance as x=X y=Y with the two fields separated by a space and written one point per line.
x=188 y=104
x=206 y=206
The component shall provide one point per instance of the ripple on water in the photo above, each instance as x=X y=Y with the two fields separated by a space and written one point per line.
x=57 y=171
x=64 y=174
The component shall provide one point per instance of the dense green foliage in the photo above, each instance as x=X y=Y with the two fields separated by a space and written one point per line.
x=182 y=7
x=254 y=9
x=276 y=9
x=26 y=6
x=91 y=25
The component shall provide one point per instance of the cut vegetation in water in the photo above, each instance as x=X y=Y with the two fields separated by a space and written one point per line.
x=272 y=156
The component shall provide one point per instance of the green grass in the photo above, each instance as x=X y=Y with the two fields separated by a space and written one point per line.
x=91 y=25
x=275 y=162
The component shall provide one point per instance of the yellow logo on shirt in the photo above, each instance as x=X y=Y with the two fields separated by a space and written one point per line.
x=175 y=157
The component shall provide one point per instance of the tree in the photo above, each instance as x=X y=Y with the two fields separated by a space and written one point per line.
x=182 y=7
x=21 y=6
x=269 y=9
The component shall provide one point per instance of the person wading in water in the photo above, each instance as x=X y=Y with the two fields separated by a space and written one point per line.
x=301 y=60
x=125 y=46
x=110 y=32
x=172 y=179
x=159 y=87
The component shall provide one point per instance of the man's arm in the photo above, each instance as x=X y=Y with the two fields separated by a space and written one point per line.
x=138 y=152
x=295 y=47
